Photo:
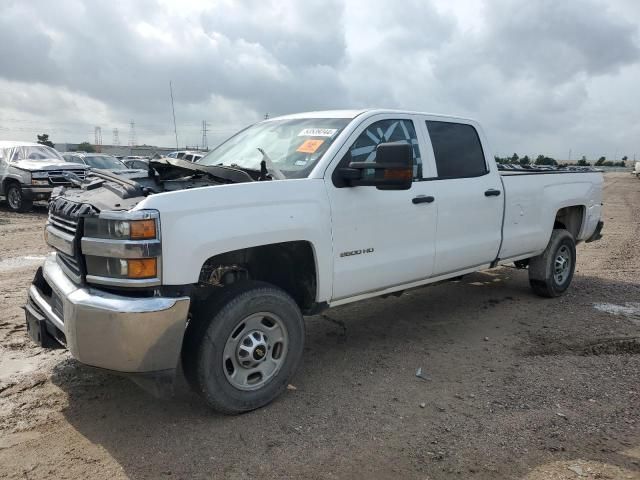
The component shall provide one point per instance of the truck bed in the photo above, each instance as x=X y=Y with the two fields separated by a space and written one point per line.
x=533 y=197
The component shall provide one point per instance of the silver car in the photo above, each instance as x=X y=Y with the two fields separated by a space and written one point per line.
x=30 y=171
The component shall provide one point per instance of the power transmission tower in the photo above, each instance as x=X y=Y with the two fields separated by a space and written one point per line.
x=132 y=133
x=116 y=138
x=97 y=138
x=205 y=143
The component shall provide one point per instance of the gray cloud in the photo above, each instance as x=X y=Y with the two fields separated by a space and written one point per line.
x=537 y=74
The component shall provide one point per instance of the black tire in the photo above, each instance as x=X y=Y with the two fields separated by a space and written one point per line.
x=15 y=198
x=545 y=279
x=214 y=322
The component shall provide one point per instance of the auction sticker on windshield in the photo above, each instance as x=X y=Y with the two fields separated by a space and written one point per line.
x=318 y=132
x=309 y=146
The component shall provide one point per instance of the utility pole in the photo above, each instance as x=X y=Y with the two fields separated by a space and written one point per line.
x=97 y=133
x=132 y=133
x=116 y=138
x=173 y=110
x=205 y=143
x=569 y=155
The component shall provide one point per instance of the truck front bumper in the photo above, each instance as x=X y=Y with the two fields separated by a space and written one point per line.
x=36 y=193
x=114 y=332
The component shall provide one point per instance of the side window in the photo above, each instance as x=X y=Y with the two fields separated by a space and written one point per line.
x=457 y=149
x=383 y=131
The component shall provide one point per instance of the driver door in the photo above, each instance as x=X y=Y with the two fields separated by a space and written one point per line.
x=381 y=238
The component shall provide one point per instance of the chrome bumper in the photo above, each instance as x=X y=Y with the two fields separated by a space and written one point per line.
x=125 y=334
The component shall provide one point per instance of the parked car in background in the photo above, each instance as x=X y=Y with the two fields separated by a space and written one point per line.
x=137 y=163
x=100 y=161
x=188 y=155
x=30 y=171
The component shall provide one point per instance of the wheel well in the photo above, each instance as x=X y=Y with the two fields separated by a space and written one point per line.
x=570 y=218
x=6 y=182
x=289 y=265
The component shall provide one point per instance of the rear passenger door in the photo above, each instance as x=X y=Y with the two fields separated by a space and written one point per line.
x=468 y=195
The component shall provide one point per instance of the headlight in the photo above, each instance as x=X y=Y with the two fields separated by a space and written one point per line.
x=39 y=174
x=144 y=229
x=123 y=248
x=35 y=181
x=122 y=268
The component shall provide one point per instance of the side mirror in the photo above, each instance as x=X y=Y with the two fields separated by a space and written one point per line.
x=392 y=170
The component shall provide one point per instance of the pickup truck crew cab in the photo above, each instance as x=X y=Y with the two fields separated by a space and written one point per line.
x=214 y=264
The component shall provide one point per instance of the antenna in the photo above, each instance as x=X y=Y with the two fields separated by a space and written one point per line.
x=173 y=110
x=132 y=133
x=116 y=138
x=205 y=143
x=98 y=139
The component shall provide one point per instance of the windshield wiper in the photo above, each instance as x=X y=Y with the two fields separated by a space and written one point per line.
x=267 y=166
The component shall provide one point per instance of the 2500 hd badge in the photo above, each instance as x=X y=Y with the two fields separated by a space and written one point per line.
x=357 y=252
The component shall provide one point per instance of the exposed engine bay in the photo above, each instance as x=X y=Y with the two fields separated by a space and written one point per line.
x=107 y=191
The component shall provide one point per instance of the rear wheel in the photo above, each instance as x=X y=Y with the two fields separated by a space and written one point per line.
x=244 y=346
x=550 y=273
x=16 y=200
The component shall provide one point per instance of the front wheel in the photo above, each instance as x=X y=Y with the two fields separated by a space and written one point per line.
x=244 y=346
x=551 y=272
x=16 y=200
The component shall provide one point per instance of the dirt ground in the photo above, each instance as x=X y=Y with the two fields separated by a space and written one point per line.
x=515 y=386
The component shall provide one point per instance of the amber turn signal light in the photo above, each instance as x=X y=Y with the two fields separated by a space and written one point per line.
x=398 y=174
x=142 y=268
x=142 y=229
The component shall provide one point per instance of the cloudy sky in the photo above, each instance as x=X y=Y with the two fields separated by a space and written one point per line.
x=543 y=76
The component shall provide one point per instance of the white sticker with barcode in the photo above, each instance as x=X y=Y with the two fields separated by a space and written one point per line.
x=318 y=132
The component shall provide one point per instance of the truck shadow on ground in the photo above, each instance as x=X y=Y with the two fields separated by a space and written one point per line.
x=38 y=209
x=487 y=406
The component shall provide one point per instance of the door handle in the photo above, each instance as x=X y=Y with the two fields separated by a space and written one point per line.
x=422 y=199
x=492 y=192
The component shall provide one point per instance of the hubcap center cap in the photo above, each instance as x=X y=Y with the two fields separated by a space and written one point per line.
x=252 y=349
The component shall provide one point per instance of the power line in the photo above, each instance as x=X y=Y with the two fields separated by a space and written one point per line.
x=173 y=110
x=132 y=133
x=205 y=143
x=97 y=138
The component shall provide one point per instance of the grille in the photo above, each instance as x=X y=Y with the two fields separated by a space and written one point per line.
x=66 y=225
x=67 y=216
x=57 y=177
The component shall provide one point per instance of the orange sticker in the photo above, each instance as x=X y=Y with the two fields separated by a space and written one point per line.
x=310 y=146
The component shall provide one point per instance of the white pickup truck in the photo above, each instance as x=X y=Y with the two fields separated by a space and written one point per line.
x=210 y=266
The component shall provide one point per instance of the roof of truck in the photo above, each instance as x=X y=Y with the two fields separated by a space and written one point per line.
x=355 y=113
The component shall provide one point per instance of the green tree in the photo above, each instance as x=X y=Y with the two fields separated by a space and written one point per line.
x=85 y=147
x=583 y=162
x=514 y=158
x=601 y=161
x=625 y=158
x=525 y=160
x=544 y=160
x=44 y=140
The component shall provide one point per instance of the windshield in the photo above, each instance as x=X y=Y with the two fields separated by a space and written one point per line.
x=104 y=162
x=40 y=152
x=293 y=146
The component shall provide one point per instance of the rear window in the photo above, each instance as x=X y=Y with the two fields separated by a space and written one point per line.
x=457 y=150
